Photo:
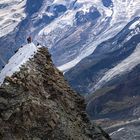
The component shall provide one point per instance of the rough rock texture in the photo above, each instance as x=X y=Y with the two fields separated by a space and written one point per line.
x=37 y=104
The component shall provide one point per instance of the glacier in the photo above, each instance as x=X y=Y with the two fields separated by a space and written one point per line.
x=71 y=29
x=113 y=19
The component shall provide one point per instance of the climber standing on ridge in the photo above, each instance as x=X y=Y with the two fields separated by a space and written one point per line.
x=38 y=44
x=29 y=39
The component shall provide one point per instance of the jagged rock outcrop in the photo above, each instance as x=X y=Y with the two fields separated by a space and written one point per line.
x=36 y=103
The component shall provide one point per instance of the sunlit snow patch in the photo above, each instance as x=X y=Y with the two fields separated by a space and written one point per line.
x=20 y=58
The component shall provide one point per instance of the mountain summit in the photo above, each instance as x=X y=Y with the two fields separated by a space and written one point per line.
x=36 y=102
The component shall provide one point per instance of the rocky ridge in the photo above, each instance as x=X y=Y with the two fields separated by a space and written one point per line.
x=36 y=103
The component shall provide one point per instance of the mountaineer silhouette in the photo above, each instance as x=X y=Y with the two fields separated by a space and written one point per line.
x=29 y=39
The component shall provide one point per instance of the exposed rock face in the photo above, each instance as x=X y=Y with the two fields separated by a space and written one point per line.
x=37 y=104
x=119 y=100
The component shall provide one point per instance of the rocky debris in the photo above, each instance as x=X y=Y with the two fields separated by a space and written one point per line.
x=37 y=104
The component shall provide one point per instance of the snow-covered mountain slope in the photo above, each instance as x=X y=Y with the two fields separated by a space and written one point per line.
x=111 y=59
x=111 y=20
x=11 y=14
x=20 y=58
x=71 y=29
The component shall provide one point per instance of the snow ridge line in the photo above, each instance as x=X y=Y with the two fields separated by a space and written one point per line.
x=21 y=57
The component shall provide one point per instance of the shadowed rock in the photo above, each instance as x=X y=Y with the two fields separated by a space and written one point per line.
x=37 y=104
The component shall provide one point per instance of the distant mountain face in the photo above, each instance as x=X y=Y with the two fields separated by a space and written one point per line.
x=71 y=29
x=126 y=130
x=111 y=59
x=118 y=100
x=116 y=105
x=109 y=79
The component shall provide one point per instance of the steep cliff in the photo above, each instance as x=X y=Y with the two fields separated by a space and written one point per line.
x=36 y=103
